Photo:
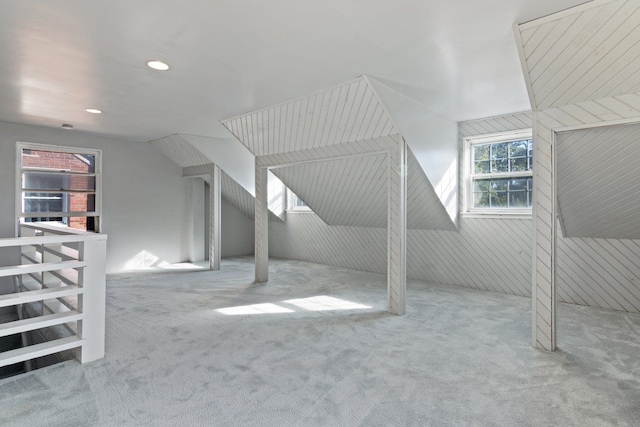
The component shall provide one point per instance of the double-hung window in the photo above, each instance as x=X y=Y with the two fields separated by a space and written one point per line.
x=58 y=184
x=499 y=173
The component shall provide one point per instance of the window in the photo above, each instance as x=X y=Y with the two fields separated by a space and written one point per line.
x=58 y=184
x=499 y=177
x=295 y=203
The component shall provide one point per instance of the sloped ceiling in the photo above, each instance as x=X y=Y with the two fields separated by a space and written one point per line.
x=353 y=192
x=432 y=137
x=586 y=53
x=345 y=113
x=599 y=183
x=230 y=190
x=180 y=149
x=349 y=191
x=581 y=67
x=240 y=198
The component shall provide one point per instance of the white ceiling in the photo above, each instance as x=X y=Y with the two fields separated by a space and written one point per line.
x=228 y=57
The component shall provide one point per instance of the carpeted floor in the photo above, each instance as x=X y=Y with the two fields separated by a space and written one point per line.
x=314 y=347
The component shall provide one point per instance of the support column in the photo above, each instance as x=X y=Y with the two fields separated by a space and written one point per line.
x=544 y=226
x=397 y=229
x=262 y=224
x=197 y=239
x=215 y=219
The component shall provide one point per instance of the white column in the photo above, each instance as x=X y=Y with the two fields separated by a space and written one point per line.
x=215 y=219
x=397 y=229
x=196 y=219
x=544 y=238
x=92 y=302
x=262 y=225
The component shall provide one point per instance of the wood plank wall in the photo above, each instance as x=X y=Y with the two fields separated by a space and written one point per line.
x=486 y=254
x=589 y=52
x=599 y=182
x=345 y=113
x=353 y=192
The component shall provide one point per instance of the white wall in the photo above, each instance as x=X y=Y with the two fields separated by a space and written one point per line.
x=144 y=197
x=237 y=232
x=232 y=157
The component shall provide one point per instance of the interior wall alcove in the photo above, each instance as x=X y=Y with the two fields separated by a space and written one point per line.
x=394 y=149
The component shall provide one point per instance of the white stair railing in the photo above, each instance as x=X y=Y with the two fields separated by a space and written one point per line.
x=64 y=270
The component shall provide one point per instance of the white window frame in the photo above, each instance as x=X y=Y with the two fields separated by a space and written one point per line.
x=97 y=213
x=468 y=210
x=291 y=208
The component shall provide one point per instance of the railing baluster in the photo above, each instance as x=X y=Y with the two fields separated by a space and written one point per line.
x=48 y=252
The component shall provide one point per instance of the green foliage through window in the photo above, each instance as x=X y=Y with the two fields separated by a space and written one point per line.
x=502 y=193
x=502 y=176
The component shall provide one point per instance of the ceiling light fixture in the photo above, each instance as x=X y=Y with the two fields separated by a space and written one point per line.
x=93 y=111
x=158 y=65
x=67 y=126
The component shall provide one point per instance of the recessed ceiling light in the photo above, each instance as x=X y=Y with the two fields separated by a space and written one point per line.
x=67 y=126
x=158 y=65
x=93 y=111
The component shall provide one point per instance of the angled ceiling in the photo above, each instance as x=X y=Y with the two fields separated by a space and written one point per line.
x=190 y=150
x=599 y=183
x=184 y=151
x=180 y=151
x=353 y=192
x=345 y=113
x=346 y=191
x=59 y=57
x=586 y=54
x=240 y=198
x=582 y=70
x=350 y=192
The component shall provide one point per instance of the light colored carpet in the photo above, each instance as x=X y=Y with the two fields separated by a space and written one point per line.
x=458 y=358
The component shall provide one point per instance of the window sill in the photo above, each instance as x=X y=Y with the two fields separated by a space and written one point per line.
x=497 y=215
x=297 y=211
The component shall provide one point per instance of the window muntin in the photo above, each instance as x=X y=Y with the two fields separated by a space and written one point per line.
x=58 y=184
x=500 y=176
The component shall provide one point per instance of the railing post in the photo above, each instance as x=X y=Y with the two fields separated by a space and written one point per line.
x=92 y=302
